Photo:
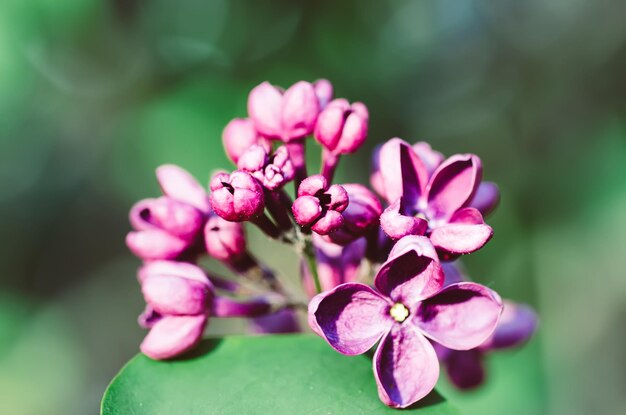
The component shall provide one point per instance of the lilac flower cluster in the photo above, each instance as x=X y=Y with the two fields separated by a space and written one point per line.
x=417 y=307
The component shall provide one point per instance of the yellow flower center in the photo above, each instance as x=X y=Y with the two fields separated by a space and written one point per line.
x=399 y=312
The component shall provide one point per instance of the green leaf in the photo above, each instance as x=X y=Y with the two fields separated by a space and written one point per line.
x=282 y=374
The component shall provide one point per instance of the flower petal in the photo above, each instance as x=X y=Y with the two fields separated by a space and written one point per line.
x=174 y=295
x=405 y=367
x=486 y=198
x=452 y=273
x=155 y=244
x=173 y=335
x=174 y=217
x=397 y=225
x=300 y=108
x=180 y=185
x=264 y=108
x=465 y=368
x=461 y=316
x=460 y=238
x=330 y=222
x=453 y=185
x=403 y=173
x=173 y=269
x=517 y=324
x=351 y=317
x=412 y=271
x=431 y=158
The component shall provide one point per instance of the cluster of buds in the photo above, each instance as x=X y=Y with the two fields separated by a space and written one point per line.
x=373 y=271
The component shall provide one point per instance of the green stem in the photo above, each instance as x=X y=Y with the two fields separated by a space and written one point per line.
x=309 y=253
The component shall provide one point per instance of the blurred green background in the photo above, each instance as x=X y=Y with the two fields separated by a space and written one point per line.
x=95 y=94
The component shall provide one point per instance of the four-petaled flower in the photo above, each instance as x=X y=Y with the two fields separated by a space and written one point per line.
x=409 y=305
x=437 y=204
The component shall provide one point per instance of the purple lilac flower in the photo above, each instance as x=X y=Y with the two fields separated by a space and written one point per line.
x=341 y=128
x=409 y=305
x=236 y=197
x=465 y=368
x=360 y=217
x=178 y=297
x=180 y=185
x=436 y=205
x=487 y=195
x=288 y=116
x=224 y=240
x=319 y=205
x=170 y=226
x=273 y=171
x=285 y=116
x=239 y=135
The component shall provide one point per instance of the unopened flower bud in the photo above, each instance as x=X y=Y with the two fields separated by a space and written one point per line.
x=239 y=135
x=342 y=128
x=224 y=240
x=178 y=184
x=319 y=206
x=284 y=116
x=273 y=171
x=236 y=197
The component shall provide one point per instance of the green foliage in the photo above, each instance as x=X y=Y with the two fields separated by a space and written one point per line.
x=283 y=374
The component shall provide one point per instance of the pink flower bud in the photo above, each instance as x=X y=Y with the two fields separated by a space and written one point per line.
x=284 y=116
x=236 y=197
x=165 y=228
x=273 y=171
x=361 y=215
x=224 y=240
x=155 y=244
x=178 y=184
x=324 y=91
x=176 y=218
x=239 y=135
x=319 y=206
x=179 y=297
x=342 y=127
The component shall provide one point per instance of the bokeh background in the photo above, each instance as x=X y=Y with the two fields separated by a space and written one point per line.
x=95 y=94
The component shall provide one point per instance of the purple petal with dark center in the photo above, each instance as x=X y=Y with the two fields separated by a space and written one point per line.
x=397 y=225
x=412 y=272
x=405 y=367
x=453 y=185
x=461 y=316
x=403 y=173
x=352 y=317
